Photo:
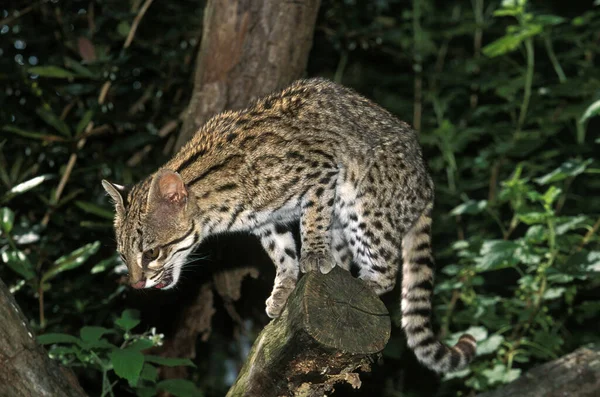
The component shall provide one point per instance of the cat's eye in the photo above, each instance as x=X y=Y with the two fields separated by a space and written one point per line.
x=152 y=254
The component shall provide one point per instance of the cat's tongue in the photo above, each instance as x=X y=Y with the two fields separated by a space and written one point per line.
x=160 y=285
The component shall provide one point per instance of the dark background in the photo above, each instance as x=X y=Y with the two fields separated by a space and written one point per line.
x=515 y=227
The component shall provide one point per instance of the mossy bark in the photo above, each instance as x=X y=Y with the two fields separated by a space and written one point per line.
x=575 y=375
x=25 y=368
x=332 y=327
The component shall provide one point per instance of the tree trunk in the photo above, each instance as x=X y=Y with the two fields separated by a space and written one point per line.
x=574 y=375
x=249 y=49
x=332 y=326
x=25 y=368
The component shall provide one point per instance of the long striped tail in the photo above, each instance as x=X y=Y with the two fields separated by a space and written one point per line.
x=417 y=291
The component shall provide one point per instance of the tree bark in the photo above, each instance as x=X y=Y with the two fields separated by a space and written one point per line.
x=249 y=49
x=25 y=368
x=332 y=326
x=574 y=375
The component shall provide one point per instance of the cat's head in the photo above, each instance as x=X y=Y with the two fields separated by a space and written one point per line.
x=155 y=228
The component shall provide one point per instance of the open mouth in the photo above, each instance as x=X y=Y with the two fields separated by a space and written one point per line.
x=166 y=280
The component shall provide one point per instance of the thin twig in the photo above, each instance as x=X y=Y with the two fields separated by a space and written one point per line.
x=20 y=13
x=135 y=23
x=589 y=234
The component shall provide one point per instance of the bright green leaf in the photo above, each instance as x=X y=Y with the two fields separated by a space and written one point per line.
x=549 y=20
x=28 y=185
x=533 y=218
x=500 y=374
x=490 y=345
x=127 y=363
x=51 y=71
x=593 y=261
x=569 y=168
x=503 y=45
x=591 y=111
x=554 y=293
x=103 y=265
x=7 y=218
x=470 y=207
x=496 y=254
x=72 y=260
x=128 y=320
x=19 y=263
x=536 y=234
x=572 y=223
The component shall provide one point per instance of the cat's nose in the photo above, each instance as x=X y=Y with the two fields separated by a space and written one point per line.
x=139 y=284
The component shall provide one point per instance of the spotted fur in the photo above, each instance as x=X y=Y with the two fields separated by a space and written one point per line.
x=317 y=153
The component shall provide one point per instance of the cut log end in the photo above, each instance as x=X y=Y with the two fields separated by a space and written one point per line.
x=332 y=327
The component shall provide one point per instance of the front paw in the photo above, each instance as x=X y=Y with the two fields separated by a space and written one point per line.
x=279 y=296
x=312 y=261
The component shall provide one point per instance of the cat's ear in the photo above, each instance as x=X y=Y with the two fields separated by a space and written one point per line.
x=168 y=187
x=116 y=192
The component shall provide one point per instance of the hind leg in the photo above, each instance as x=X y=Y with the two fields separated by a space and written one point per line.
x=340 y=249
x=373 y=238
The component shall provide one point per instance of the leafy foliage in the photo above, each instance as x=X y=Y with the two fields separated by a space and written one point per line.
x=505 y=95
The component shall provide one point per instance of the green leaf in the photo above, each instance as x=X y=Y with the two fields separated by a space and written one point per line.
x=127 y=364
x=72 y=260
x=549 y=20
x=28 y=185
x=593 y=261
x=52 y=338
x=554 y=293
x=533 y=218
x=149 y=372
x=490 y=345
x=80 y=69
x=7 y=218
x=51 y=71
x=92 y=334
x=496 y=254
x=591 y=111
x=53 y=120
x=503 y=45
x=103 y=265
x=536 y=234
x=470 y=207
x=141 y=344
x=85 y=120
x=180 y=388
x=128 y=320
x=19 y=263
x=95 y=209
x=500 y=374
x=32 y=134
x=569 y=168
x=169 y=362
x=570 y=224
x=123 y=28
